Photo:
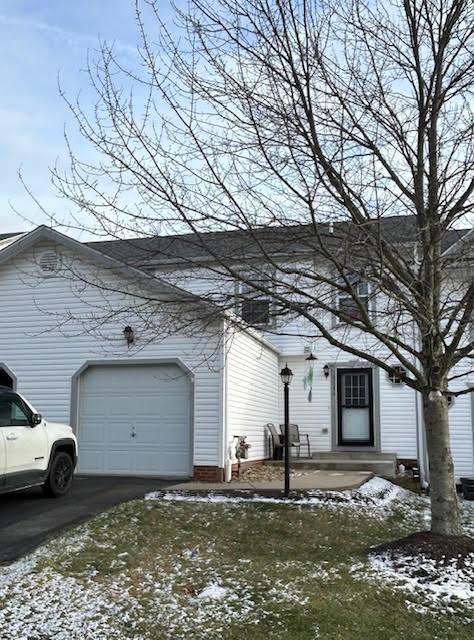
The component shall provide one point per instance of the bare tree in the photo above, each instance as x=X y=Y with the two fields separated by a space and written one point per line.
x=312 y=152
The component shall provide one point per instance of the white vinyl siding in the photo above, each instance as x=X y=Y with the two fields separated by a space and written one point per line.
x=313 y=418
x=44 y=354
x=252 y=391
x=461 y=428
x=397 y=418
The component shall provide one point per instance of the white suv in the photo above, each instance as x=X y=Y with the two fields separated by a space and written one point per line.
x=33 y=452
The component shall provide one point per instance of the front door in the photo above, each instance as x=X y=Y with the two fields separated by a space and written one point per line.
x=355 y=407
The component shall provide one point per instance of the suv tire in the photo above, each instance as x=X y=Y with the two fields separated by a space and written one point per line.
x=60 y=475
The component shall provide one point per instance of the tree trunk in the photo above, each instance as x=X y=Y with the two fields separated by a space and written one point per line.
x=445 y=514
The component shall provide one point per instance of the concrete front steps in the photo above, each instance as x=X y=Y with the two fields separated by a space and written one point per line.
x=382 y=464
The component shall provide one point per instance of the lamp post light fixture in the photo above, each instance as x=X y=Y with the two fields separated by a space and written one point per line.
x=286 y=375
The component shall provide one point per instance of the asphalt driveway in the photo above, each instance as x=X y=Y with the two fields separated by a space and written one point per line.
x=27 y=519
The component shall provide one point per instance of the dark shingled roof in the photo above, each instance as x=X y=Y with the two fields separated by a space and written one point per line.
x=240 y=244
x=4 y=236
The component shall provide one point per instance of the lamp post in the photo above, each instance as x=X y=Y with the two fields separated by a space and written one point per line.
x=286 y=374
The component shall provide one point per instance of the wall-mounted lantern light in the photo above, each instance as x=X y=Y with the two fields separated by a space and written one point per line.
x=129 y=335
x=326 y=371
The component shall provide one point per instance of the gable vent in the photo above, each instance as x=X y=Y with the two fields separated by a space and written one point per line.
x=48 y=263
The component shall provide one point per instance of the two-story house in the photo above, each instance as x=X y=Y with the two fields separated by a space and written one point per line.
x=134 y=342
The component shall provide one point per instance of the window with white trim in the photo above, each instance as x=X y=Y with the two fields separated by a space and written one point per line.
x=253 y=305
x=348 y=307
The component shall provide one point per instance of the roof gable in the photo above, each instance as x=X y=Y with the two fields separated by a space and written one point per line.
x=21 y=243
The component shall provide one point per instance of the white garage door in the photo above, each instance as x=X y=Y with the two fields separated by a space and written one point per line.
x=135 y=419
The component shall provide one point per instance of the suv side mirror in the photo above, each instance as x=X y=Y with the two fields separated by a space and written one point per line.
x=36 y=418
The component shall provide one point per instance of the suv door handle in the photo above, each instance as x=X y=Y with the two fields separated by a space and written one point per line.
x=12 y=436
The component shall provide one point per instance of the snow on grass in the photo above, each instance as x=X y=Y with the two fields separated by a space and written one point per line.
x=429 y=587
x=38 y=603
x=467 y=514
x=214 y=591
x=202 y=577
x=425 y=575
x=432 y=589
x=49 y=605
x=376 y=492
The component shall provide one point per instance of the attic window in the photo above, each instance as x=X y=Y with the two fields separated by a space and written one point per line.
x=48 y=263
x=396 y=375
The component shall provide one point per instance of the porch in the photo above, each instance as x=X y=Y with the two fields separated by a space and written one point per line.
x=382 y=464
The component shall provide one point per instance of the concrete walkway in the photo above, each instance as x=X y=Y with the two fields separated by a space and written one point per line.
x=320 y=479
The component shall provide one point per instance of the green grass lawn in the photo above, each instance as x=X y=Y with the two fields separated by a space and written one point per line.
x=297 y=572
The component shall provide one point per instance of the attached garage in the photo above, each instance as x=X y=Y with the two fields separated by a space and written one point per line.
x=134 y=419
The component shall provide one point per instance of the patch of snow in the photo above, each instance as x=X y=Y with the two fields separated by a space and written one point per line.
x=375 y=492
x=381 y=491
x=421 y=573
x=49 y=605
x=430 y=587
x=214 y=591
x=287 y=592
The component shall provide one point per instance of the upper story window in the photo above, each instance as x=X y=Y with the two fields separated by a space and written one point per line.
x=347 y=305
x=253 y=305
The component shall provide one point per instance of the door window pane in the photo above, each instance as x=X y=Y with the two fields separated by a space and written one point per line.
x=356 y=390
x=355 y=424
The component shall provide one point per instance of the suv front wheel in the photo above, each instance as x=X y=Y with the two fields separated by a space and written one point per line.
x=60 y=475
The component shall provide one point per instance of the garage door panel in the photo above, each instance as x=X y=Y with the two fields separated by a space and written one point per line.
x=119 y=460
x=119 y=433
x=94 y=457
x=135 y=419
x=172 y=462
x=93 y=431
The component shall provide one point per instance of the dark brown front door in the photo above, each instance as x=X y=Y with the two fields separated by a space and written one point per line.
x=355 y=412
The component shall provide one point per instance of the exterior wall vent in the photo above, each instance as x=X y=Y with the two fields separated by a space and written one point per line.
x=48 y=263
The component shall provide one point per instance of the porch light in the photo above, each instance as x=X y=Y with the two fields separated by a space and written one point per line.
x=286 y=375
x=129 y=335
x=326 y=371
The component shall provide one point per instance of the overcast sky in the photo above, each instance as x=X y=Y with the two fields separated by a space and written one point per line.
x=40 y=39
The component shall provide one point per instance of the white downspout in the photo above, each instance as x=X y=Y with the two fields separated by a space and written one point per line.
x=420 y=442
x=228 y=444
x=224 y=444
x=420 y=425
x=420 y=435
